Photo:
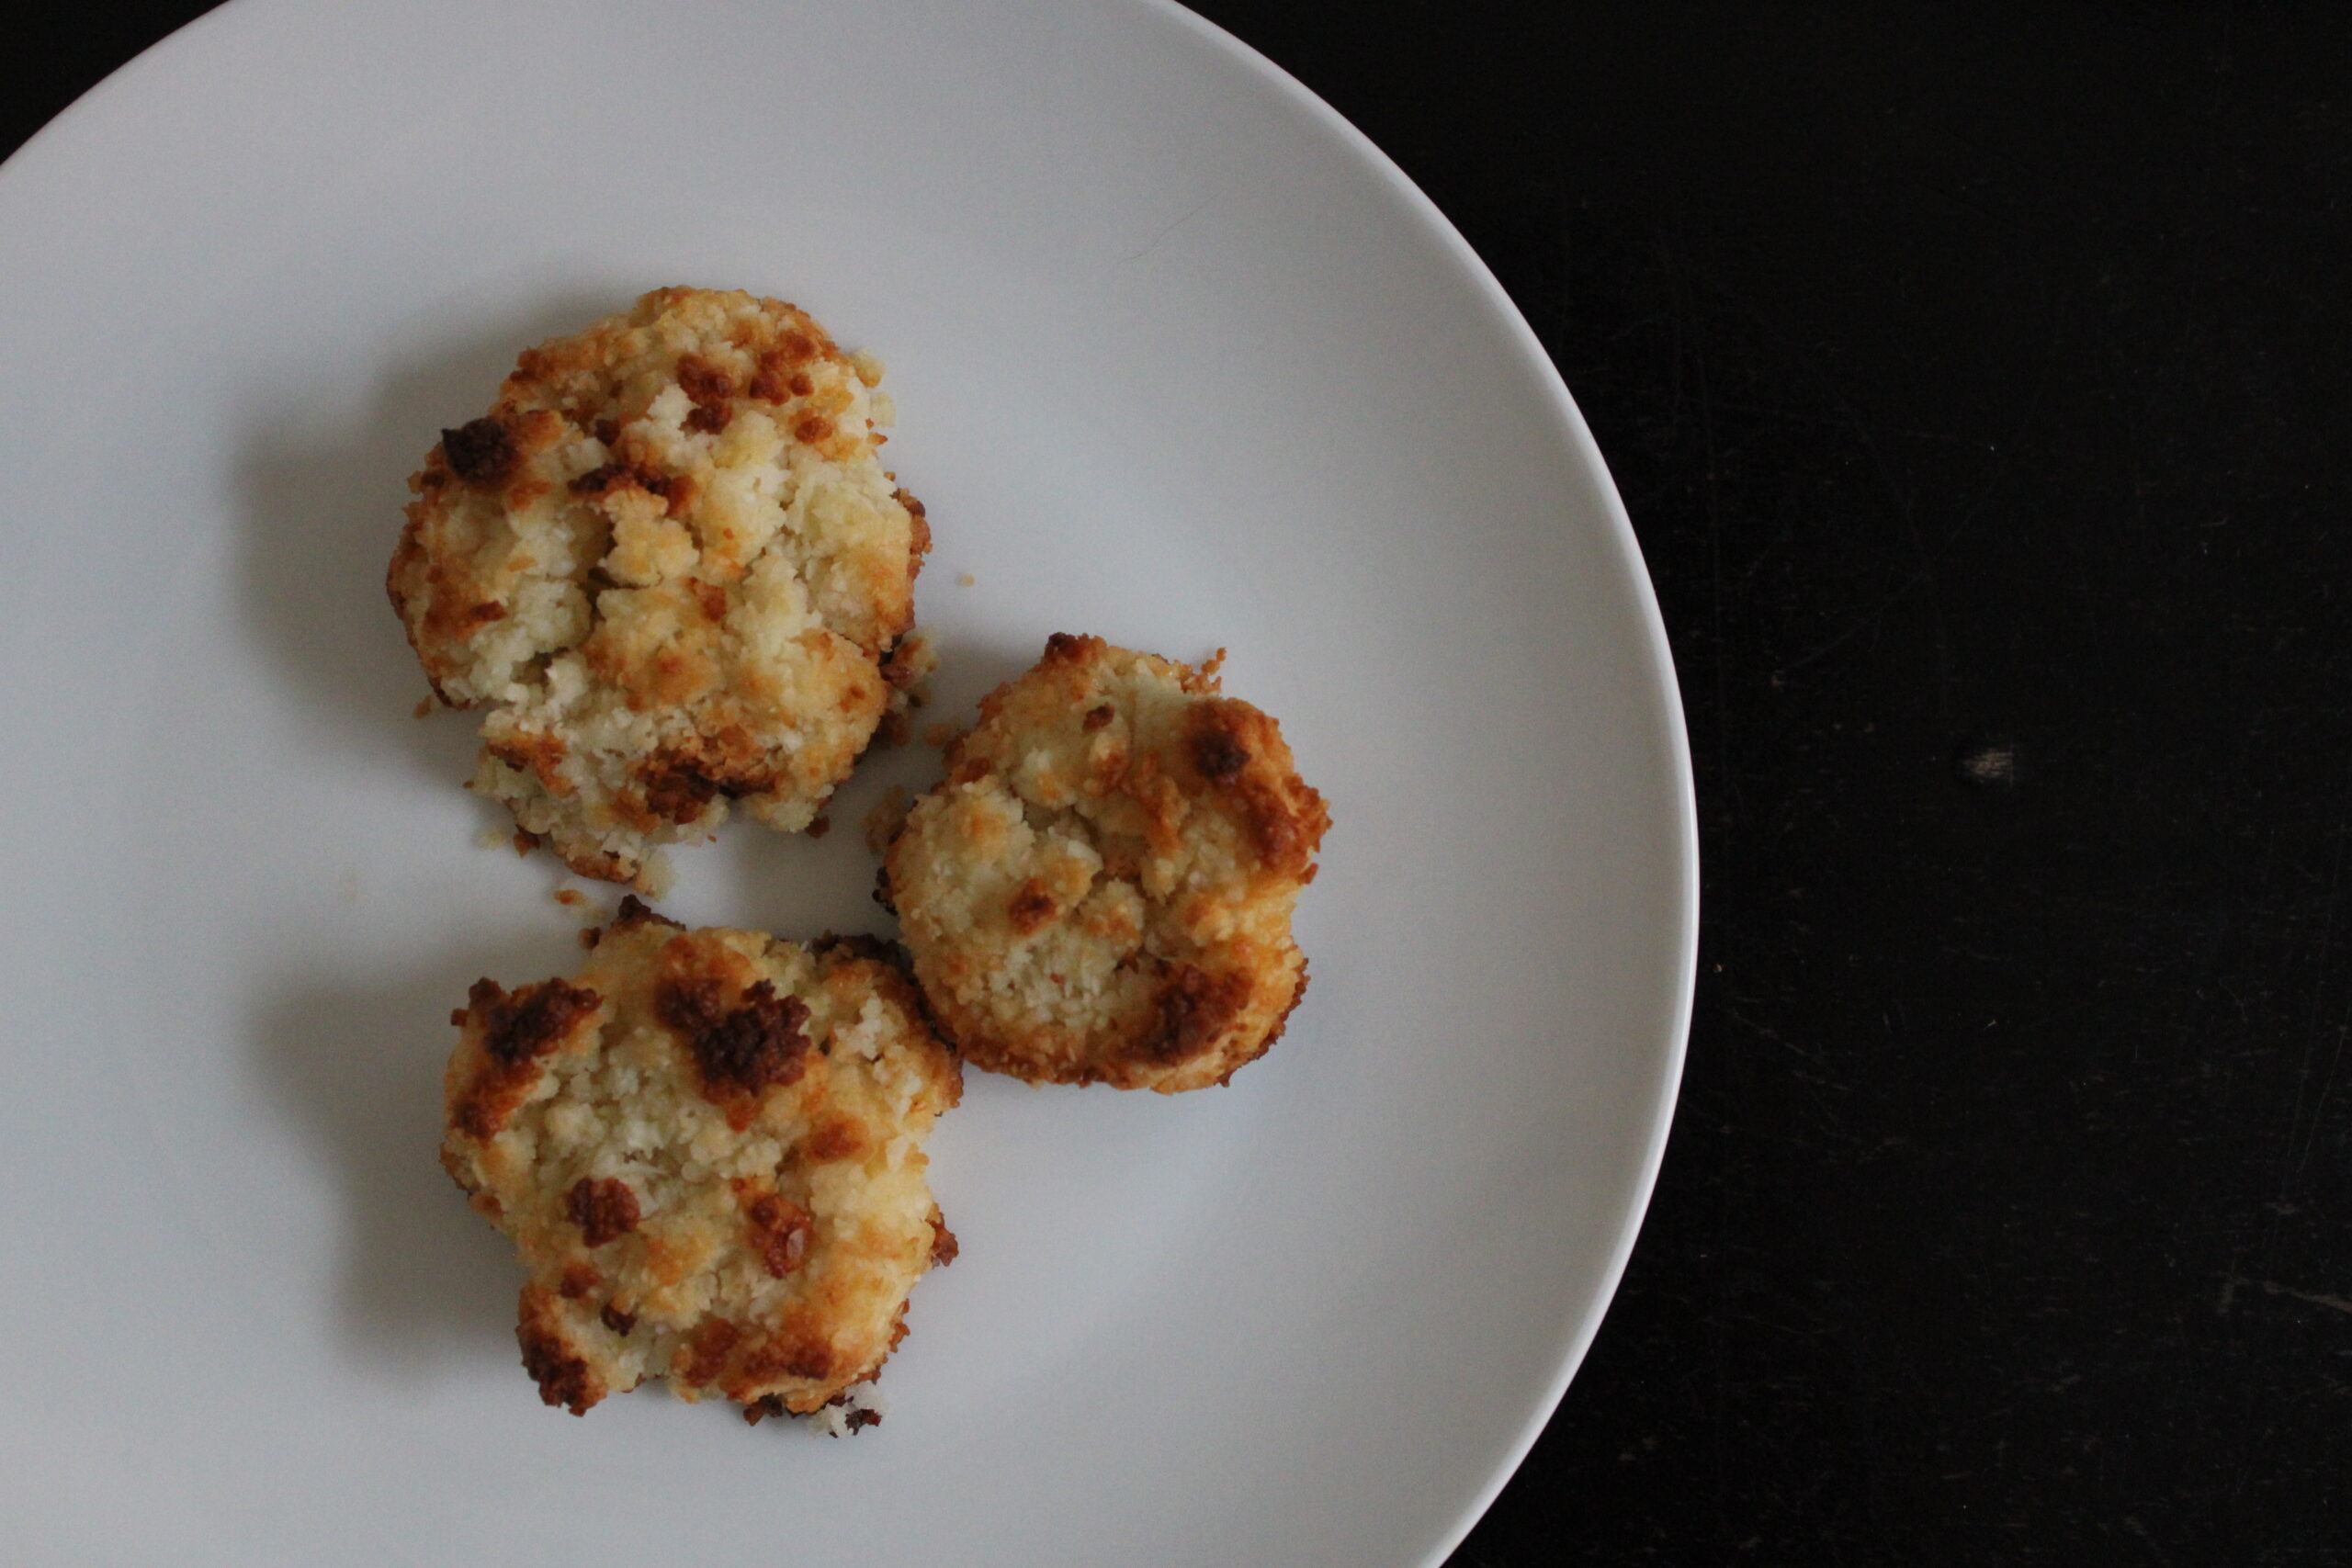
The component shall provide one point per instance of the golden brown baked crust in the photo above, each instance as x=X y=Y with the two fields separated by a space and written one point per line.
x=670 y=566
x=1101 y=892
x=708 y=1148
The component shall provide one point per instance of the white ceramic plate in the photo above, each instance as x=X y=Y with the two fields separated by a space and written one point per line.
x=1180 y=359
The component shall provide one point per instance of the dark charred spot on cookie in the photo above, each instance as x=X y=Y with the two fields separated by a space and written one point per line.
x=635 y=912
x=480 y=451
x=812 y=428
x=1097 y=718
x=1195 y=1009
x=517 y=1030
x=857 y=1420
x=778 y=375
x=712 y=392
x=528 y=1023
x=771 y=379
x=742 y=1050
x=1066 y=645
x=619 y=1322
x=704 y=382
x=1031 y=907
x=1219 y=755
x=708 y=1350
x=653 y=482
x=901 y=667
x=943 y=1246
x=676 y=491
x=578 y=1280
x=779 y=1230
x=919 y=536
x=882 y=888
x=598 y=479
x=675 y=790
x=794 y=1352
x=608 y=431
x=819 y=825
x=861 y=944
x=760 y=1409
x=604 y=1209
x=563 y=1378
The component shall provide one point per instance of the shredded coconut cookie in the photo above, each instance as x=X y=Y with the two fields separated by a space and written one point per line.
x=670 y=566
x=708 y=1149
x=1101 y=892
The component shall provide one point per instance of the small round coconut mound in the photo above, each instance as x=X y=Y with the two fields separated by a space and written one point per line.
x=708 y=1149
x=671 y=567
x=1101 y=892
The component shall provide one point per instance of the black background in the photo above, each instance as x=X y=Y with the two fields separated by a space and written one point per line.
x=1977 y=376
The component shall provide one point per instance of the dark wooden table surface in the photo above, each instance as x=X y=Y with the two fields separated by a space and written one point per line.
x=1979 y=377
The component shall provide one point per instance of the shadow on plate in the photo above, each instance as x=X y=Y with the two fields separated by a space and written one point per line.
x=323 y=507
x=356 y=1067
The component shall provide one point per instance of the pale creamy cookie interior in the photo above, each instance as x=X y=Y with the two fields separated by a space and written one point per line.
x=707 y=1147
x=1101 y=890
x=669 y=565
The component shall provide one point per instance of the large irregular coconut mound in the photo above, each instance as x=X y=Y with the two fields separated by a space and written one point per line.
x=707 y=1147
x=1101 y=891
x=670 y=567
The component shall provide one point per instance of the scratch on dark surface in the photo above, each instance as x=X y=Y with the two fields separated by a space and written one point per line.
x=2316 y=1298
x=2327 y=1087
x=1862 y=622
x=1978 y=209
x=2294 y=1162
x=1763 y=1031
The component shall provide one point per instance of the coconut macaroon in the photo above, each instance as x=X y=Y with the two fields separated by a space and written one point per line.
x=670 y=566
x=1101 y=891
x=708 y=1149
